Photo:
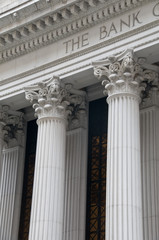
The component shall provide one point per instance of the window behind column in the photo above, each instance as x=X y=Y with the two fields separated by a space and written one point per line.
x=96 y=186
x=28 y=180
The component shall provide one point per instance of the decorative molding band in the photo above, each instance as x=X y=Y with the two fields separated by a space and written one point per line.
x=51 y=28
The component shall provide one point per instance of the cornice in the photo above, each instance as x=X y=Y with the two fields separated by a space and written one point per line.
x=74 y=16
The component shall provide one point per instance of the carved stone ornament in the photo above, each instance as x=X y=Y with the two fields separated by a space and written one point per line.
x=56 y=19
x=54 y=99
x=11 y=124
x=78 y=117
x=122 y=75
x=151 y=95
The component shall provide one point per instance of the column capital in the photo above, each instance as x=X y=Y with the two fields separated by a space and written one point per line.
x=54 y=99
x=121 y=74
x=11 y=124
x=78 y=118
x=151 y=95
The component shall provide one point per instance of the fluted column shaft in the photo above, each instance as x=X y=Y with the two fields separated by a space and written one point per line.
x=51 y=100
x=150 y=170
x=123 y=85
x=11 y=163
x=9 y=196
x=48 y=191
x=123 y=199
x=75 y=185
x=2 y=124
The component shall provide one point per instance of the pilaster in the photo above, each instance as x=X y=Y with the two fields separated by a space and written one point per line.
x=76 y=175
x=12 y=174
x=3 y=116
x=149 y=118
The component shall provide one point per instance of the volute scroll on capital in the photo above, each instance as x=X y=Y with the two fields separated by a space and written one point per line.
x=124 y=74
x=53 y=98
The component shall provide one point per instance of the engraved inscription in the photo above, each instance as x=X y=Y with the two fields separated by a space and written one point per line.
x=112 y=28
x=76 y=43
x=156 y=10
x=131 y=21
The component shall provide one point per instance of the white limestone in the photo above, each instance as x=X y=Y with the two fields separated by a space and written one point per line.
x=48 y=191
x=39 y=38
x=75 y=185
x=123 y=198
x=51 y=100
x=17 y=73
x=12 y=167
x=2 y=124
x=150 y=166
x=10 y=198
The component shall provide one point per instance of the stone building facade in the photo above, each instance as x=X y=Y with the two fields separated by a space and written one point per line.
x=88 y=72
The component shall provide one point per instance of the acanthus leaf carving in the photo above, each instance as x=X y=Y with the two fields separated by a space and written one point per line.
x=78 y=114
x=11 y=124
x=122 y=75
x=151 y=95
x=53 y=98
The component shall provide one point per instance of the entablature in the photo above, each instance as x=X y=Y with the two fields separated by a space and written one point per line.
x=42 y=22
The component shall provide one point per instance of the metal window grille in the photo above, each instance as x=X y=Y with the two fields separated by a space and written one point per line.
x=96 y=186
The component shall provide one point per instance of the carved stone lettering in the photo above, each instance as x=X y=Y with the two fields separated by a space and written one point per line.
x=76 y=43
x=130 y=21
x=136 y=19
x=112 y=28
x=85 y=41
x=67 y=45
x=103 y=32
x=124 y=23
x=155 y=10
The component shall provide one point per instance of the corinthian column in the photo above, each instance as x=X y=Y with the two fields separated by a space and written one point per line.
x=123 y=192
x=52 y=103
x=149 y=114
